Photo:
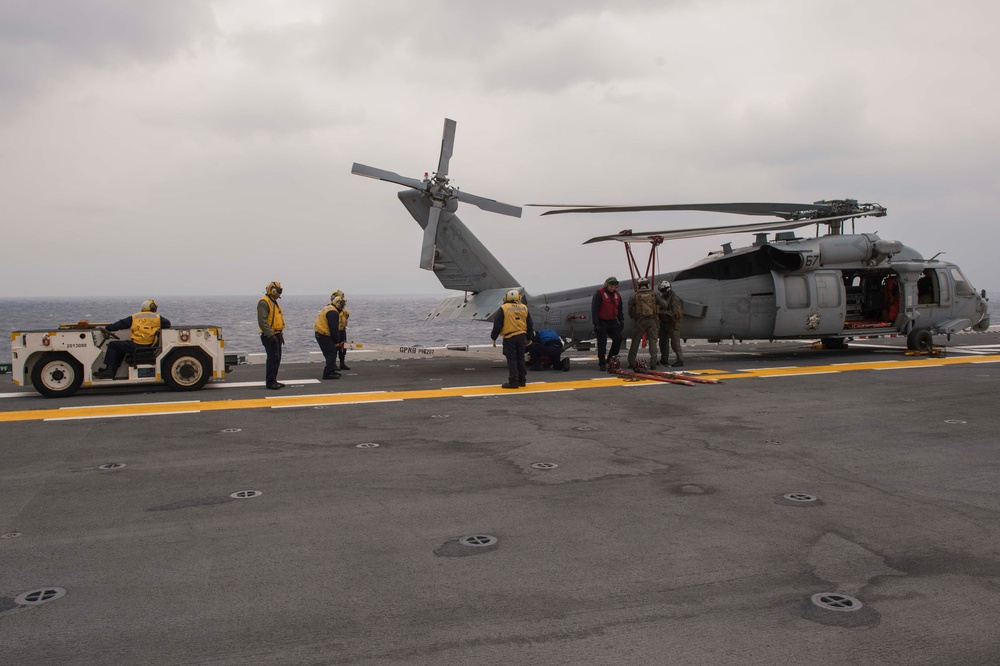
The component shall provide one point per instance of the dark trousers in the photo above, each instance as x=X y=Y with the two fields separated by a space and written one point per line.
x=608 y=328
x=273 y=348
x=514 y=348
x=548 y=351
x=329 y=349
x=116 y=352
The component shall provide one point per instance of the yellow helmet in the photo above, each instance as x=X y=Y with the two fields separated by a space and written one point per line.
x=512 y=296
x=149 y=306
x=273 y=289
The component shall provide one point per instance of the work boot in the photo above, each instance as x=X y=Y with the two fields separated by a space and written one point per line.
x=677 y=364
x=103 y=373
x=335 y=375
x=343 y=366
x=274 y=386
x=522 y=384
x=565 y=365
x=508 y=386
x=603 y=367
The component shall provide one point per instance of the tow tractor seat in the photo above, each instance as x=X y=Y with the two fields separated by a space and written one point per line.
x=146 y=354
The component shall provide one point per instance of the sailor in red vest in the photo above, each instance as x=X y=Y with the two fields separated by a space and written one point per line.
x=606 y=313
x=144 y=327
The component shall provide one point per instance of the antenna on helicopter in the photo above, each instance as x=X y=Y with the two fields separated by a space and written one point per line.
x=438 y=193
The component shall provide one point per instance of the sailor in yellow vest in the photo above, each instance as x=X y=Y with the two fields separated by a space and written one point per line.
x=144 y=327
x=272 y=324
x=327 y=329
x=513 y=322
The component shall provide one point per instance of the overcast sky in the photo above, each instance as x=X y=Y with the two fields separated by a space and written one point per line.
x=170 y=147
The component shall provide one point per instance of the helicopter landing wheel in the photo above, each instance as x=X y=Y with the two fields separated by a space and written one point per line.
x=920 y=340
x=834 y=343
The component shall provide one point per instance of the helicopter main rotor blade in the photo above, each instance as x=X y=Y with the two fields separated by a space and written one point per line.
x=389 y=176
x=427 y=249
x=783 y=210
x=650 y=236
x=490 y=205
x=447 y=147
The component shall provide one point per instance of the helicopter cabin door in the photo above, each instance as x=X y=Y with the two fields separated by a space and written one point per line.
x=809 y=304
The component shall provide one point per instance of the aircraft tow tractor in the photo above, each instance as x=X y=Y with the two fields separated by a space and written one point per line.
x=57 y=363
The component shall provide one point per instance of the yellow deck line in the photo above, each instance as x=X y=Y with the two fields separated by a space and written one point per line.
x=444 y=392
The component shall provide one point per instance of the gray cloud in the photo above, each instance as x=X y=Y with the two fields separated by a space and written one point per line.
x=226 y=131
x=42 y=41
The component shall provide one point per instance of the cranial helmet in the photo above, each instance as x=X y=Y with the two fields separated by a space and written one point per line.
x=664 y=286
x=611 y=280
x=273 y=289
x=643 y=282
x=149 y=306
x=512 y=296
x=336 y=293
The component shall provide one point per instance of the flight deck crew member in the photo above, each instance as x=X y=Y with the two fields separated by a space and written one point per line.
x=327 y=329
x=272 y=325
x=606 y=313
x=547 y=346
x=671 y=314
x=344 y=316
x=144 y=326
x=644 y=309
x=513 y=322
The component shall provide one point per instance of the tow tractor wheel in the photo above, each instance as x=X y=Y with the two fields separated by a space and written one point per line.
x=57 y=375
x=186 y=370
x=920 y=340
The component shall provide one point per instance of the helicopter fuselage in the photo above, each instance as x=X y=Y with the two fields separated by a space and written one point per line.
x=834 y=287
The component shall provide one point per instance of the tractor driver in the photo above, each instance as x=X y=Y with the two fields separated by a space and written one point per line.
x=145 y=327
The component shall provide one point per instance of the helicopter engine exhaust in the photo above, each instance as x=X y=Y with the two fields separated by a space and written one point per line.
x=832 y=251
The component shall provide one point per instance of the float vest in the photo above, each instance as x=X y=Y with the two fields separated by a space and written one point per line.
x=645 y=304
x=145 y=326
x=515 y=319
x=344 y=316
x=274 y=317
x=609 y=305
x=322 y=325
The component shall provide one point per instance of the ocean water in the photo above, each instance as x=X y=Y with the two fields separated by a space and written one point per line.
x=374 y=319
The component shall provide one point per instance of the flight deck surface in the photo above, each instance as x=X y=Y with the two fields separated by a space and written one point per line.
x=605 y=521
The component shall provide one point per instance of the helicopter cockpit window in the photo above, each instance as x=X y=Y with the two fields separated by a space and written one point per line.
x=962 y=286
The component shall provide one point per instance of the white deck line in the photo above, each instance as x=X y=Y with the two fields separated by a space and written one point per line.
x=321 y=395
x=118 y=416
x=135 y=404
x=224 y=384
x=802 y=374
x=327 y=404
x=517 y=392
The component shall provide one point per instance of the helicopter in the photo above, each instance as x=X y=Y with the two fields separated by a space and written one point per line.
x=834 y=287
